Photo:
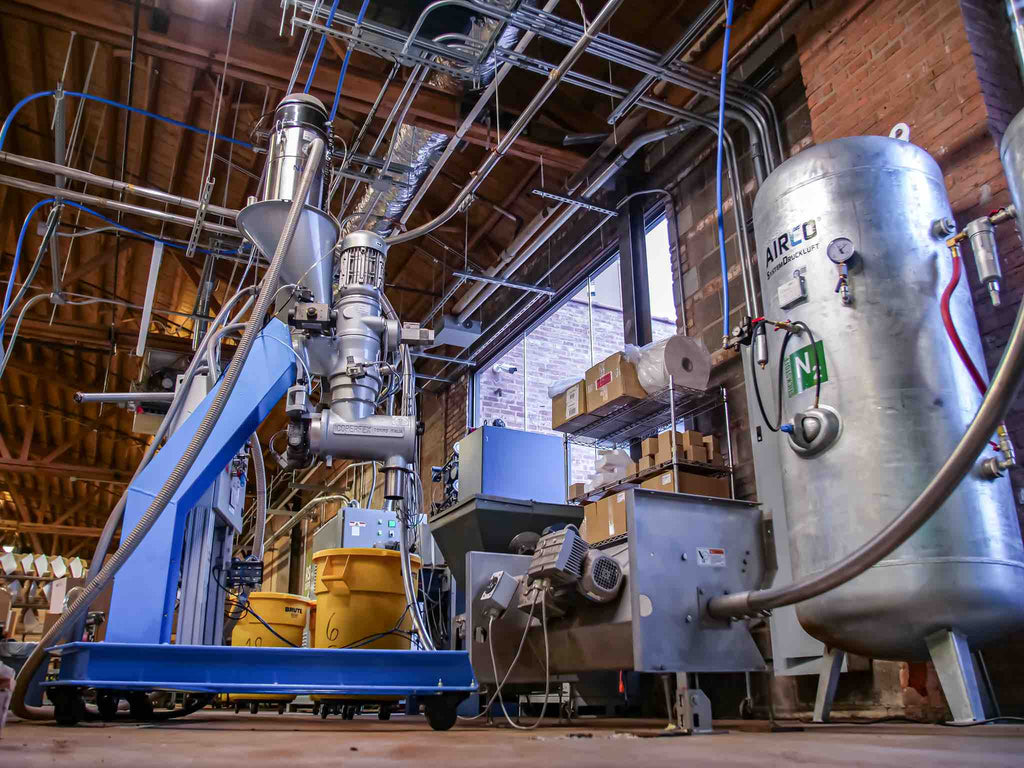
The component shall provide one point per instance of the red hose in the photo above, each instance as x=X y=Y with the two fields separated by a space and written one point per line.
x=954 y=337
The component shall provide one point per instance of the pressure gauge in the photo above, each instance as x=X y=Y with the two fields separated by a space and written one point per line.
x=840 y=250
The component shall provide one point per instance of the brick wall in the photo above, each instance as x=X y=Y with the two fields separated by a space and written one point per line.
x=946 y=68
x=563 y=346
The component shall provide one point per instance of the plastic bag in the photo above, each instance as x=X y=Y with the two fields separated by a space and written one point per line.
x=632 y=353
x=685 y=358
x=558 y=387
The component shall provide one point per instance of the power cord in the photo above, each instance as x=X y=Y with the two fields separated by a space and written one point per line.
x=547 y=669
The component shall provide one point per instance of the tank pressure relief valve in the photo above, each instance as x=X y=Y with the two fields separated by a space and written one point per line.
x=840 y=252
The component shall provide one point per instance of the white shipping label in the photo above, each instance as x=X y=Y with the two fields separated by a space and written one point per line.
x=572 y=401
x=711 y=557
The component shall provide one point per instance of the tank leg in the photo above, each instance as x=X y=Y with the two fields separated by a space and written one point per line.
x=953 y=663
x=828 y=679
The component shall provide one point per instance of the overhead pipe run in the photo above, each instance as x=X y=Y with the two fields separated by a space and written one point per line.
x=516 y=129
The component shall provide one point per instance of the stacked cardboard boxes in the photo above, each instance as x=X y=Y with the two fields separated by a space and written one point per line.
x=605 y=518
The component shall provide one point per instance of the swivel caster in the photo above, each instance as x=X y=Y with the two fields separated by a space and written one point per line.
x=747 y=708
x=238 y=707
x=254 y=708
x=316 y=708
x=324 y=711
x=348 y=713
x=441 y=712
x=140 y=706
x=106 y=703
x=281 y=708
x=384 y=712
x=68 y=706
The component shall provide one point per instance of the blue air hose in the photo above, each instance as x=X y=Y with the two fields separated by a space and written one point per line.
x=718 y=171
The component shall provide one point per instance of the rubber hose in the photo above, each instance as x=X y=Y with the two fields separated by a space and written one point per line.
x=188 y=458
x=994 y=406
x=954 y=337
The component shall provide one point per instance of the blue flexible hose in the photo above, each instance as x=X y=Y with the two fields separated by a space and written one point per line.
x=718 y=171
x=320 y=48
x=24 y=230
x=170 y=120
x=344 y=65
x=17 y=258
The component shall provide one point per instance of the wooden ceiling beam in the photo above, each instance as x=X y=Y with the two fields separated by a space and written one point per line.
x=98 y=336
x=34 y=529
x=35 y=466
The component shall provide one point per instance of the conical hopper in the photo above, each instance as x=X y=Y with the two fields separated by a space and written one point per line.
x=308 y=260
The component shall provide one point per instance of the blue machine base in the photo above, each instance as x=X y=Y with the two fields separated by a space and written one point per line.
x=229 y=669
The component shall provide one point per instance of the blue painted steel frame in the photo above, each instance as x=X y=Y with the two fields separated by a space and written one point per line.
x=142 y=603
x=227 y=669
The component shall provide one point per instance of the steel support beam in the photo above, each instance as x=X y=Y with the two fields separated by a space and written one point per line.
x=636 y=291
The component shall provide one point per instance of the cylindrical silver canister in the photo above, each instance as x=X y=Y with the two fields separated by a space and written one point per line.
x=862 y=210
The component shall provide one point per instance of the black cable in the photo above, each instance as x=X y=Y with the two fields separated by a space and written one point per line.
x=757 y=389
x=817 y=361
x=244 y=601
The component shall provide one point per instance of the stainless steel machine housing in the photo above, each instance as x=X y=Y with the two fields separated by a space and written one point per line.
x=903 y=398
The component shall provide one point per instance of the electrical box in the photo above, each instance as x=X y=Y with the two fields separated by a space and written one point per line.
x=354 y=527
x=511 y=464
x=792 y=291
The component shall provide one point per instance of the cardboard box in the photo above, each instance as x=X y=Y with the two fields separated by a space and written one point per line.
x=689 y=446
x=576 y=490
x=714 y=448
x=647 y=462
x=611 y=384
x=616 y=514
x=690 y=482
x=569 y=409
x=649 y=447
x=595 y=520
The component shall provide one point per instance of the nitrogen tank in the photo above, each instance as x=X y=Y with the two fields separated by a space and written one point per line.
x=866 y=207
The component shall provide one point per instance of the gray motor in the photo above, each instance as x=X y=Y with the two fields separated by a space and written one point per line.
x=563 y=565
x=846 y=244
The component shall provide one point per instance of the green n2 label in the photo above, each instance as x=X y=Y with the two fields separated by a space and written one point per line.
x=803 y=368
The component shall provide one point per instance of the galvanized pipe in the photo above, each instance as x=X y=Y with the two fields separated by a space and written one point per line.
x=135 y=210
x=124 y=397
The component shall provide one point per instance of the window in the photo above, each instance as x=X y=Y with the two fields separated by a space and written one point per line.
x=660 y=281
x=584 y=330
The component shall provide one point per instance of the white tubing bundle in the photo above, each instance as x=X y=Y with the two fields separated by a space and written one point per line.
x=684 y=358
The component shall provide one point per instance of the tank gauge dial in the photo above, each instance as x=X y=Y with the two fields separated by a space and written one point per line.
x=840 y=250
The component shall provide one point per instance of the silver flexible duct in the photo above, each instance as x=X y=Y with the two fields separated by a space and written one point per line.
x=188 y=458
x=419 y=148
x=993 y=410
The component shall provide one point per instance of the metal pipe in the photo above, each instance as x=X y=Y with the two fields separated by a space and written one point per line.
x=118 y=186
x=506 y=283
x=492 y=159
x=103 y=202
x=994 y=407
x=260 y=472
x=124 y=397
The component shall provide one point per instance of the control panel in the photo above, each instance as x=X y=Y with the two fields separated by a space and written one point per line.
x=355 y=527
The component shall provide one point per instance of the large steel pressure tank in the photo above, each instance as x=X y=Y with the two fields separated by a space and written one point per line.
x=902 y=396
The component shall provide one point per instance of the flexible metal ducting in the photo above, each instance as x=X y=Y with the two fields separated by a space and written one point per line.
x=419 y=148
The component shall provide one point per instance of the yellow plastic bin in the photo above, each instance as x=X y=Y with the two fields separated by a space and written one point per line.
x=287 y=615
x=359 y=594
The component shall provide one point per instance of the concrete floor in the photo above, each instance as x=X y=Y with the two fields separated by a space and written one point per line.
x=226 y=739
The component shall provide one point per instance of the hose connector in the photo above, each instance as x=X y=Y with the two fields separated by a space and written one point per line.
x=994 y=468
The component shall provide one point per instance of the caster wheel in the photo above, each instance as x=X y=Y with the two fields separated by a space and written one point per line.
x=140 y=706
x=238 y=708
x=441 y=713
x=384 y=713
x=323 y=712
x=106 y=703
x=68 y=707
x=254 y=708
x=316 y=708
x=747 y=709
x=347 y=713
x=281 y=708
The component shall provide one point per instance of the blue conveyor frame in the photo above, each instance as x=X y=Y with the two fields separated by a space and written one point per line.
x=137 y=654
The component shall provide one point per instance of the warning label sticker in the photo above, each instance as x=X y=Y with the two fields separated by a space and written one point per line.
x=711 y=557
